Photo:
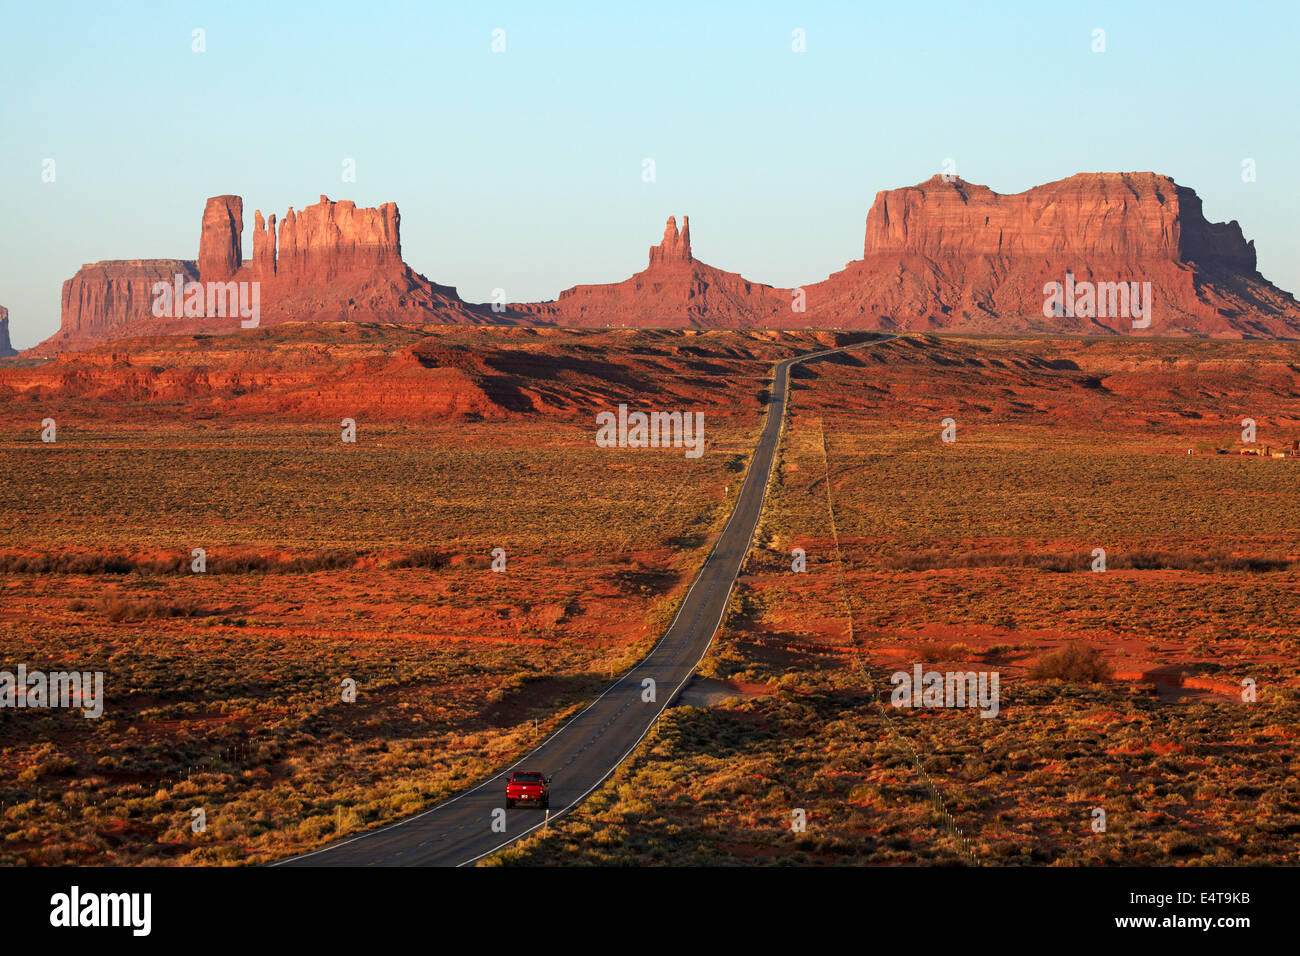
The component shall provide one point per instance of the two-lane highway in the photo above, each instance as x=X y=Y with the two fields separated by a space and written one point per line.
x=583 y=753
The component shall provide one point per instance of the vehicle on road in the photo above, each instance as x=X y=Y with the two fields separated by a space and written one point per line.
x=530 y=787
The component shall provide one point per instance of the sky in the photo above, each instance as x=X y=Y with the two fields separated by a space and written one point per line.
x=524 y=169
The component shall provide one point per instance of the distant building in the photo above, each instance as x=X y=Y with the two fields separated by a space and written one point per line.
x=1260 y=450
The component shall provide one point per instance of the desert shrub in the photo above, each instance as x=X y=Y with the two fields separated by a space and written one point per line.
x=91 y=562
x=933 y=559
x=1214 y=560
x=931 y=651
x=157 y=566
x=118 y=608
x=268 y=564
x=326 y=561
x=238 y=563
x=1076 y=661
x=422 y=558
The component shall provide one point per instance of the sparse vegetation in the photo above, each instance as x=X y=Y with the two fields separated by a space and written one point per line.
x=223 y=687
x=323 y=562
x=1076 y=661
x=979 y=556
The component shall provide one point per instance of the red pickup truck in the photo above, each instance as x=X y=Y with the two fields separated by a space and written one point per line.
x=528 y=786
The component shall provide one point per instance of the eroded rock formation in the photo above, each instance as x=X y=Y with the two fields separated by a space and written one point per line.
x=264 y=246
x=6 y=349
x=674 y=290
x=330 y=239
x=950 y=255
x=947 y=254
x=331 y=261
x=675 y=248
x=942 y=255
x=1092 y=215
x=220 y=256
x=104 y=298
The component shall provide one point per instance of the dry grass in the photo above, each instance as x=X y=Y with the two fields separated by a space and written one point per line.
x=979 y=556
x=223 y=689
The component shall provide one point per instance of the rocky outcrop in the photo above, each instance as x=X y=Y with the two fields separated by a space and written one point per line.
x=6 y=349
x=942 y=255
x=1091 y=215
x=1210 y=243
x=263 y=246
x=675 y=248
x=674 y=290
x=220 y=256
x=317 y=372
x=330 y=261
x=333 y=261
x=335 y=238
x=104 y=298
x=951 y=255
x=947 y=254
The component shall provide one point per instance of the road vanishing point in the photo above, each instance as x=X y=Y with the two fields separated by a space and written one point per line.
x=583 y=753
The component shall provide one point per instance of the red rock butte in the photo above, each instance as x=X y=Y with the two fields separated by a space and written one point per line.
x=331 y=261
x=944 y=255
x=674 y=290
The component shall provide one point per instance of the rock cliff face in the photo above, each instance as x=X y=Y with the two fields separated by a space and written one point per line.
x=1093 y=215
x=333 y=261
x=331 y=239
x=264 y=246
x=6 y=349
x=103 y=298
x=219 y=241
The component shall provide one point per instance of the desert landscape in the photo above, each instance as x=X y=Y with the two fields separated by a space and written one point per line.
x=326 y=560
x=412 y=511
x=334 y=261
x=486 y=466
x=1121 y=688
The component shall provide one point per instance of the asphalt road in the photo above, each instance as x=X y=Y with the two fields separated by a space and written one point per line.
x=582 y=753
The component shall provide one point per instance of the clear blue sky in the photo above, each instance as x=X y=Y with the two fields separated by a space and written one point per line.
x=523 y=169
